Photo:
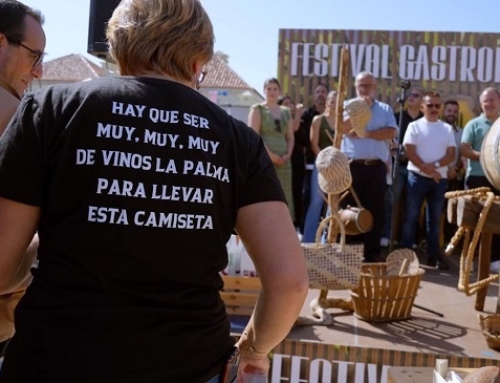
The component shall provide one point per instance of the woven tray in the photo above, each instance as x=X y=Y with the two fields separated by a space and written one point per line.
x=490 y=328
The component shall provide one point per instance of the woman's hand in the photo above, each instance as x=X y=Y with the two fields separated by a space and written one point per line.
x=277 y=160
x=285 y=157
x=251 y=361
x=255 y=366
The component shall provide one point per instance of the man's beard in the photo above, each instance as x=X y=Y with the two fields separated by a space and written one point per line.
x=320 y=100
x=451 y=120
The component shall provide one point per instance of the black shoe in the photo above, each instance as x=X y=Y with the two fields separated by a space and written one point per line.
x=438 y=264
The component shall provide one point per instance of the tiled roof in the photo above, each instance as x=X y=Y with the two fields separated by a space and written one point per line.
x=76 y=67
x=71 y=68
x=220 y=75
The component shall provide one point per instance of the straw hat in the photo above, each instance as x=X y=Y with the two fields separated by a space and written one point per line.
x=333 y=167
x=360 y=114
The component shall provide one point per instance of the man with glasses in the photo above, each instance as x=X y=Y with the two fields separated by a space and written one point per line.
x=22 y=42
x=411 y=113
x=368 y=157
x=472 y=140
x=430 y=147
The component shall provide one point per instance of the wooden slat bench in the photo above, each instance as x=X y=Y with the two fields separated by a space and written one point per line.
x=240 y=294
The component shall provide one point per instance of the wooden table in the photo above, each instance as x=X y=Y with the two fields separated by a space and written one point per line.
x=422 y=374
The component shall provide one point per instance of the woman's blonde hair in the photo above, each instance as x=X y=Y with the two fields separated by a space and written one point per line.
x=162 y=36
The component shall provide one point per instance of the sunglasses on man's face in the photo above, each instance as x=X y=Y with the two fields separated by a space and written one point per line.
x=437 y=106
x=277 y=124
x=415 y=95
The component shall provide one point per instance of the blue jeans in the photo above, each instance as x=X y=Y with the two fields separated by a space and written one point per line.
x=420 y=189
x=215 y=379
x=391 y=199
x=314 y=210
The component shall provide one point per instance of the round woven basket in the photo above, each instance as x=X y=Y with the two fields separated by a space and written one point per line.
x=486 y=374
x=334 y=175
x=490 y=328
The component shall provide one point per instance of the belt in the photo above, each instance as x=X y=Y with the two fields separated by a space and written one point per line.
x=367 y=162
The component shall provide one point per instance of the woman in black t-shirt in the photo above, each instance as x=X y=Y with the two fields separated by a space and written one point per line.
x=134 y=184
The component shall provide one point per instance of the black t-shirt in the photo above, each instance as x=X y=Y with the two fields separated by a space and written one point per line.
x=406 y=120
x=305 y=125
x=139 y=181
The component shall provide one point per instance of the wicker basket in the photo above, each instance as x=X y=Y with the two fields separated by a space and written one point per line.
x=490 y=328
x=382 y=297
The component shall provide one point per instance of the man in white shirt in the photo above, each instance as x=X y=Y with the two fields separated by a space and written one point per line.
x=430 y=147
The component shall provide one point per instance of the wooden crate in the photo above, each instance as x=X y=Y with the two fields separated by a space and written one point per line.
x=240 y=294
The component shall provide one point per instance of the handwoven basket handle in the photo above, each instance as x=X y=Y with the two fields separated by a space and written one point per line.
x=472 y=288
x=356 y=198
x=322 y=225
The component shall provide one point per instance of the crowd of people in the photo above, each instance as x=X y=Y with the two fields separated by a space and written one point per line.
x=127 y=282
x=435 y=155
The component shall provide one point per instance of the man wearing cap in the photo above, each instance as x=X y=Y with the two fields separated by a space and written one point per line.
x=368 y=156
x=22 y=42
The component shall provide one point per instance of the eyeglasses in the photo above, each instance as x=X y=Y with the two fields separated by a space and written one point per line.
x=277 y=124
x=38 y=55
x=365 y=85
x=201 y=78
x=416 y=95
x=437 y=106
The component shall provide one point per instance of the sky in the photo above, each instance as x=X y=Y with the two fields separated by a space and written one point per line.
x=247 y=30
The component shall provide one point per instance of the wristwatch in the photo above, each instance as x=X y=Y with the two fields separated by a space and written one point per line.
x=437 y=164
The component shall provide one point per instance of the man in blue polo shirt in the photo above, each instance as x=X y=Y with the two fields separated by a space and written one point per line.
x=369 y=156
x=470 y=148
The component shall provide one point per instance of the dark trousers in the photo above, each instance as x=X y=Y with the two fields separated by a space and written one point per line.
x=473 y=182
x=298 y=174
x=306 y=194
x=369 y=183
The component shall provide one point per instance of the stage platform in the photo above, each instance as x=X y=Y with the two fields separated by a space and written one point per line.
x=355 y=351
x=456 y=333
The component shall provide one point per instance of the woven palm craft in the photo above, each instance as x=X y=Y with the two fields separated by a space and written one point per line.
x=469 y=246
x=334 y=176
x=360 y=115
x=490 y=328
x=402 y=261
x=333 y=266
x=485 y=374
